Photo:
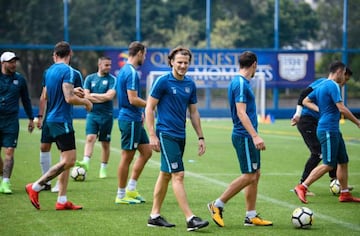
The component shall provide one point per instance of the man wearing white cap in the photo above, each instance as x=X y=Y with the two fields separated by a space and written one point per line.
x=13 y=87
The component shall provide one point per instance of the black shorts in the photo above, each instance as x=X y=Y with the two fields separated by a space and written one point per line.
x=66 y=142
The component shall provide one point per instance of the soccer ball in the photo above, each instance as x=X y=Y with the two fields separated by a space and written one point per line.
x=302 y=217
x=78 y=173
x=335 y=187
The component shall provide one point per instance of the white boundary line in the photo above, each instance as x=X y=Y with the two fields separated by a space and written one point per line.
x=260 y=196
x=280 y=203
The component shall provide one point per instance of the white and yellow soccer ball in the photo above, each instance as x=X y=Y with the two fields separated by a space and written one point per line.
x=78 y=173
x=302 y=218
x=335 y=187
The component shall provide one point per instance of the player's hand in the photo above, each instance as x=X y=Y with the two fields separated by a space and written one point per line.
x=259 y=143
x=88 y=96
x=31 y=126
x=88 y=105
x=154 y=143
x=202 y=147
x=39 y=122
x=78 y=91
x=294 y=120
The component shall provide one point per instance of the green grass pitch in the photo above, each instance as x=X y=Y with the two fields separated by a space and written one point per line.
x=206 y=178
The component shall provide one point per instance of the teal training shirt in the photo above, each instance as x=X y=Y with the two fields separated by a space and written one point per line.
x=58 y=110
x=174 y=97
x=307 y=111
x=78 y=82
x=128 y=79
x=78 y=79
x=12 y=88
x=326 y=95
x=240 y=91
x=96 y=84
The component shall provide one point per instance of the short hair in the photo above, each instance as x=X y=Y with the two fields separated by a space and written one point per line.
x=103 y=58
x=181 y=50
x=62 y=49
x=135 y=47
x=246 y=59
x=334 y=66
x=348 y=71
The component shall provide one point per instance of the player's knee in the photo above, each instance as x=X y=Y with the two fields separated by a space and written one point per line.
x=91 y=138
x=9 y=152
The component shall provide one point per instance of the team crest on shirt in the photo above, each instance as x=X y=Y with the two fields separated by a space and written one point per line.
x=174 y=165
x=16 y=82
x=187 y=90
x=292 y=66
x=173 y=90
x=93 y=83
x=105 y=82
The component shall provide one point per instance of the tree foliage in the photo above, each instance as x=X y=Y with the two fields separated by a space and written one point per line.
x=106 y=22
x=166 y=23
x=331 y=33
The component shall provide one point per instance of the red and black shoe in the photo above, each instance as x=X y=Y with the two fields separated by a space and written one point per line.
x=67 y=206
x=33 y=196
x=347 y=197
x=300 y=192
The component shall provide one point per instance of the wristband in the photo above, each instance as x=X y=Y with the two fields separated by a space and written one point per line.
x=201 y=138
x=39 y=116
x=298 y=110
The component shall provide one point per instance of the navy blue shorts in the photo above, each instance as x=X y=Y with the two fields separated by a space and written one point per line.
x=9 y=131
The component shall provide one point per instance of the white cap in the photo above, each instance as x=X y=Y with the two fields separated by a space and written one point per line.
x=8 y=56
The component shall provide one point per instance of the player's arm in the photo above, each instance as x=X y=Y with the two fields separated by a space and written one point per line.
x=71 y=98
x=299 y=106
x=196 y=123
x=100 y=97
x=42 y=107
x=304 y=94
x=42 y=102
x=245 y=120
x=26 y=101
x=150 y=122
x=79 y=92
x=347 y=113
x=309 y=104
x=134 y=99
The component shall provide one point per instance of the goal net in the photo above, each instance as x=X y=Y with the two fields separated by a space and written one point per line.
x=220 y=80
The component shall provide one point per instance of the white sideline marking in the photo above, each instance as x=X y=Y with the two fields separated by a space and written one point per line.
x=280 y=203
x=260 y=196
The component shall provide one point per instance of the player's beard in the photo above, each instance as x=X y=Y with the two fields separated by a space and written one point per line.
x=140 y=62
x=9 y=70
x=105 y=72
x=179 y=72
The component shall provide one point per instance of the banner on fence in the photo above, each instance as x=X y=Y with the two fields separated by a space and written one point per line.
x=213 y=68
